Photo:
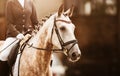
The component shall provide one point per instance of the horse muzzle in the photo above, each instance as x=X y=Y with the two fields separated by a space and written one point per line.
x=73 y=57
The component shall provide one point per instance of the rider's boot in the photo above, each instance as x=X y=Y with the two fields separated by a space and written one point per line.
x=4 y=68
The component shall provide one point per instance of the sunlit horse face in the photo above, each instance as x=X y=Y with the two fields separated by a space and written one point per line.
x=66 y=30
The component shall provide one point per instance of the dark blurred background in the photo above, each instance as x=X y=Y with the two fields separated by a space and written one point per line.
x=98 y=33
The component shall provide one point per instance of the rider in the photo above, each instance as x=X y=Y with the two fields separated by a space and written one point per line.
x=21 y=17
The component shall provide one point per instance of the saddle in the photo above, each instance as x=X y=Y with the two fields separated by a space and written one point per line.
x=18 y=48
x=6 y=66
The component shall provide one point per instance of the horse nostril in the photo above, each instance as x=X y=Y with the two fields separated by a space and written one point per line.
x=79 y=55
x=74 y=54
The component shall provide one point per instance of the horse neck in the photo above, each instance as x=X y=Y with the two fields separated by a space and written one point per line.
x=36 y=61
x=43 y=39
x=44 y=34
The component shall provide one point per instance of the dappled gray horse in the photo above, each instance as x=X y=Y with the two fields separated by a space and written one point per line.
x=56 y=35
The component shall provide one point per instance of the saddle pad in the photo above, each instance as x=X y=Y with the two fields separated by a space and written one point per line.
x=1 y=43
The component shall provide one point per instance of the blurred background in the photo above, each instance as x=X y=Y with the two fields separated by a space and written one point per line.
x=97 y=30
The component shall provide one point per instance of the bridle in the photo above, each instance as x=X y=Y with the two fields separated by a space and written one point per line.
x=62 y=43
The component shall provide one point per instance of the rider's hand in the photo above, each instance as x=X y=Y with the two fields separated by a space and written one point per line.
x=20 y=36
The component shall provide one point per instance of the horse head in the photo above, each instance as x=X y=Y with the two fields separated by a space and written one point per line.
x=63 y=37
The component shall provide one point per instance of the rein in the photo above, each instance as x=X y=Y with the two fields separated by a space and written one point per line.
x=62 y=43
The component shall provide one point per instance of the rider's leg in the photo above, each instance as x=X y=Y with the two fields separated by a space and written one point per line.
x=7 y=46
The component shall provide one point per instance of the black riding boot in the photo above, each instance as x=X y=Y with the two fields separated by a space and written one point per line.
x=4 y=68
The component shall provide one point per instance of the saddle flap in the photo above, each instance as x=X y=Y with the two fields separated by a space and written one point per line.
x=13 y=55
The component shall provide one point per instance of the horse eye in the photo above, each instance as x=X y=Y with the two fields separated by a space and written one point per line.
x=62 y=28
x=65 y=14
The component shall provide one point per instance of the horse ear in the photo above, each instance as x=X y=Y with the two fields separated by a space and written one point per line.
x=61 y=10
x=69 y=12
